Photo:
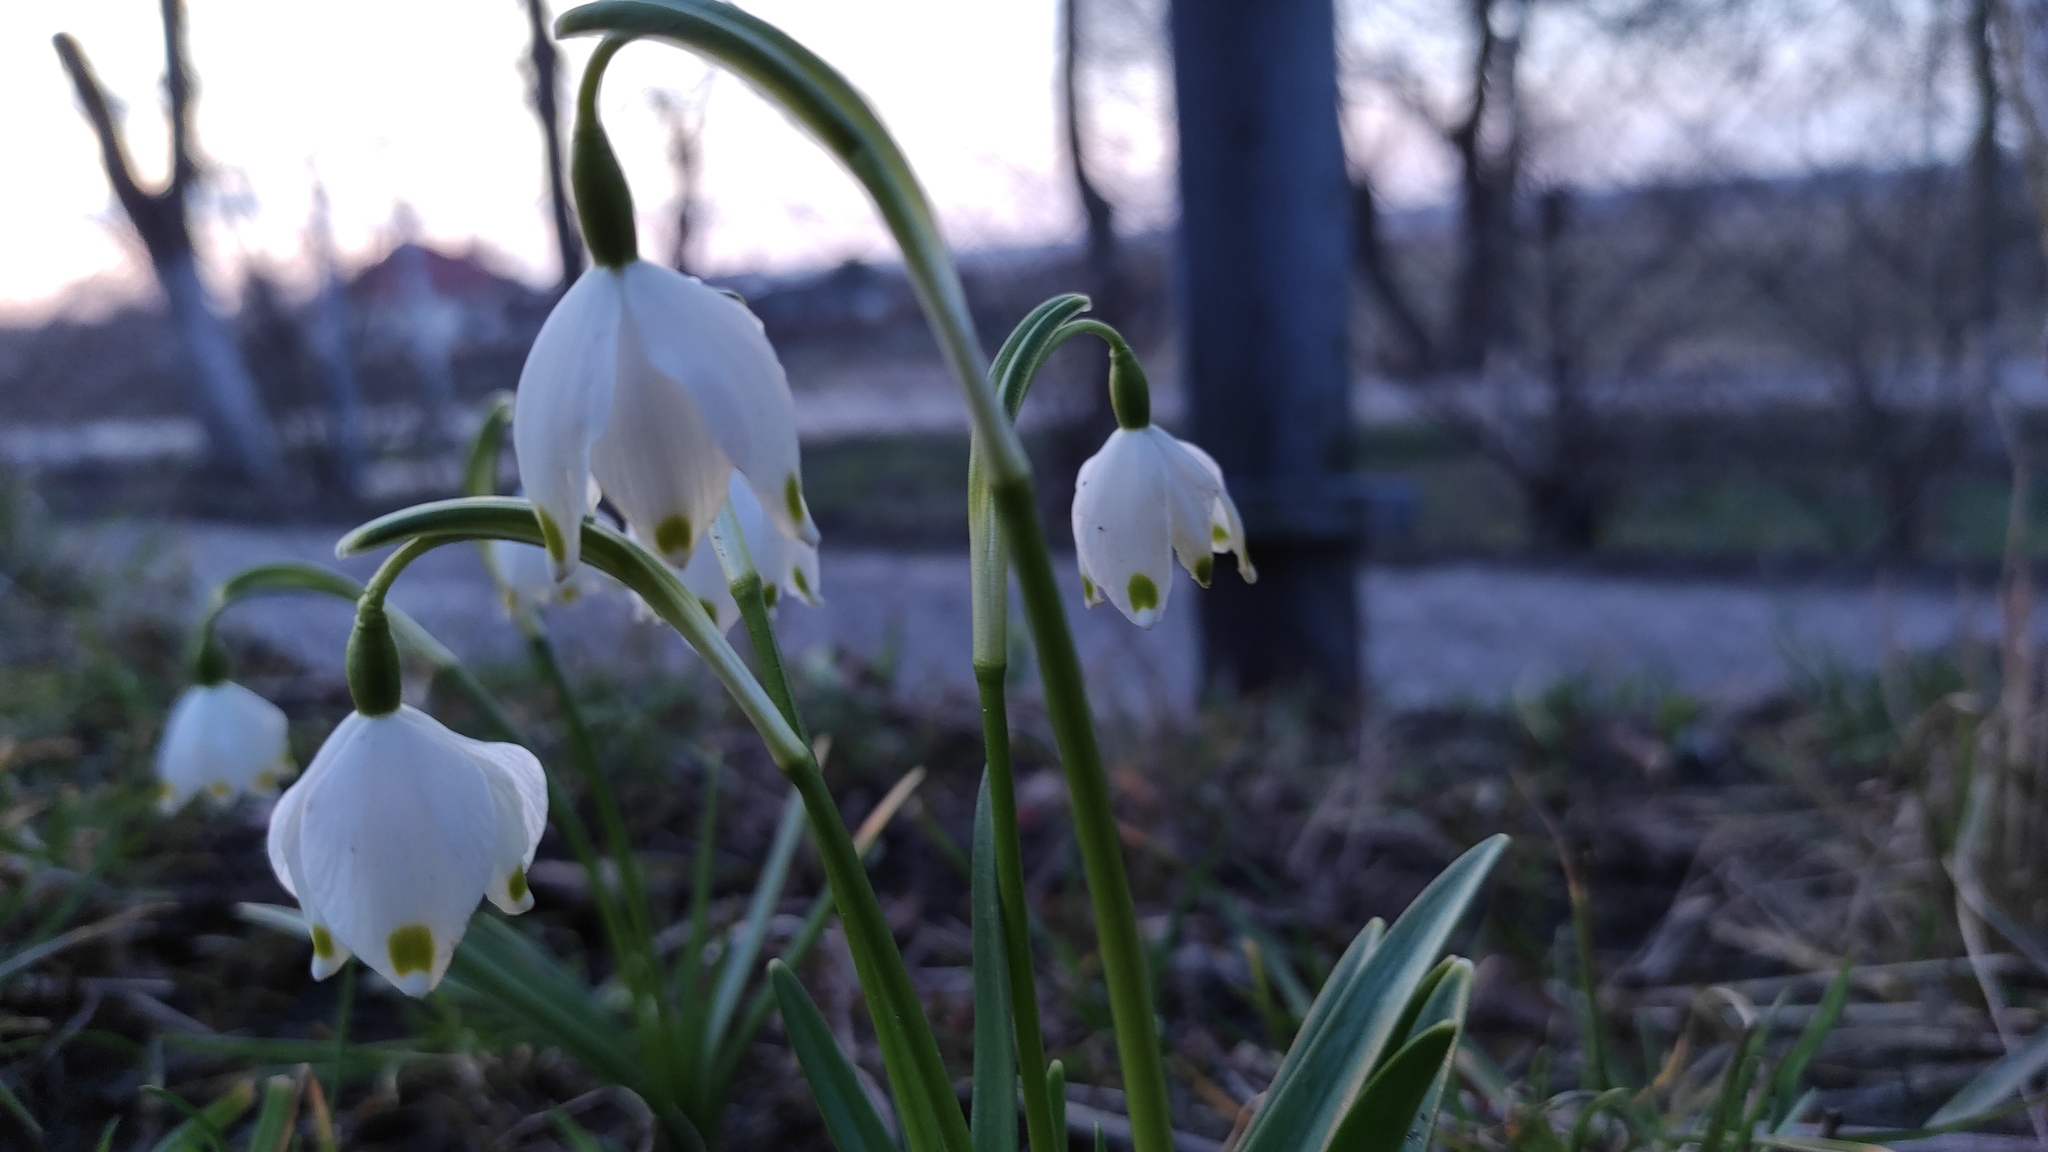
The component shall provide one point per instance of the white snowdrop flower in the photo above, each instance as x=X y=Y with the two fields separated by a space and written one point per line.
x=1139 y=502
x=526 y=578
x=395 y=832
x=788 y=568
x=660 y=387
x=221 y=740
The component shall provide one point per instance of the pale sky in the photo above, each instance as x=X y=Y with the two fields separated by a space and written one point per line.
x=422 y=103
x=403 y=101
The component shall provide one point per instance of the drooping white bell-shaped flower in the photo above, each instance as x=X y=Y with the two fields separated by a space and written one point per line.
x=1145 y=498
x=660 y=387
x=526 y=578
x=788 y=567
x=221 y=740
x=396 y=831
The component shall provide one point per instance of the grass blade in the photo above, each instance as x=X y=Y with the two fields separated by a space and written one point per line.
x=1791 y=1069
x=843 y=1106
x=280 y=1112
x=203 y=1128
x=1996 y=1084
x=1727 y=1112
x=745 y=946
x=18 y=1110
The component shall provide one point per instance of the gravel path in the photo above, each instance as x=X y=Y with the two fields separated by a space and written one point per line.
x=1438 y=633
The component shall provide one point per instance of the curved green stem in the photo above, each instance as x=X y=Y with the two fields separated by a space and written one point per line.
x=917 y=1073
x=916 y=1070
x=823 y=101
x=1015 y=367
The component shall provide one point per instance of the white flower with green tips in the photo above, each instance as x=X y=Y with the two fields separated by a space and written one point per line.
x=660 y=387
x=396 y=831
x=526 y=579
x=1142 y=500
x=221 y=741
x=788 y=568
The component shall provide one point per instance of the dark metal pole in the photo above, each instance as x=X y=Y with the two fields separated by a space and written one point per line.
x=1265 y=298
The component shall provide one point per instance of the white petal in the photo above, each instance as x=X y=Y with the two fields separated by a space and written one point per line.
x=398 y=841
x=221 y=740
x=519 y=789
x=657 y=458
x=1191 y=495
x=709 y=343
x=1121 y=529
x=1226 y=527
x=565 y=391
x=286 y=823
x=788 y=567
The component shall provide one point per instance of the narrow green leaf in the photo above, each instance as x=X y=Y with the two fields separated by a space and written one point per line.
x=744 y=947
x=1612 y=1100
x=1819 y=1144
x=844 y=1107
x=1997 y=1083
x=480 y=467
x=106 y=1143
x=993 y=1119
x=15 y=1108
x=1353 y=1018
x=1800 y=1108
x=1448 y=1000
x=1030 y=342
x=1411 y=1022
x=279 y=1112
x=1727 y=1111
x=1056 y=1091
x=1384 y=1116
x=1284 y=978
x=203 y=1128
x=1792 y=1068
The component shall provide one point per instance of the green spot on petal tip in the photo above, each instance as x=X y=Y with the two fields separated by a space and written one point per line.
x=1218 y=535
x=793 y=497
x=1204 y=569
x=673 y=535
x=770 y=594
x=412 y=949
x=323 y=942
x=1143 y=593
x=551 y=535
x=796 y=576
x=515 y=885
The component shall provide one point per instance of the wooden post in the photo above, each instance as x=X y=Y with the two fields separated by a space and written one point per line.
x=1265 y=298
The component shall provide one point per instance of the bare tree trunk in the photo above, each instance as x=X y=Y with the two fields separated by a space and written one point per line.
x=430 y=328
x=1091 y=420
x=546 y=97
x=239 y=433
x=685 y=136
x=1265 y=219
x=1416 y=351
x=1565 y=492
x=337 y=359
x=1488 y=143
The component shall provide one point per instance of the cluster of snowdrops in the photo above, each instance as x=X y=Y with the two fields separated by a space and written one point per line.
x=656 y=442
